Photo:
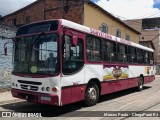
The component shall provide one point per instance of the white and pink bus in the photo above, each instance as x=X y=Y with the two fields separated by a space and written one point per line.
x=58 y=62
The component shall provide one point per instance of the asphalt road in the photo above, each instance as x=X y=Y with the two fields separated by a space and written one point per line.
x=128 y=104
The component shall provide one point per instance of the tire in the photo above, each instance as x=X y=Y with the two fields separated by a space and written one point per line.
x=140 y=84
x=91 y=94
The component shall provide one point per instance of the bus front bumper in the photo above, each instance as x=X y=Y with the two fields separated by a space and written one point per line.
x=35 y=97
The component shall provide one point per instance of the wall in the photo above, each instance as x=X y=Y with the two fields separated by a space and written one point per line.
x=6 y=32
x=136 y=24
x=35 y=12
x=70 y=10
x=48 y=9
x=94 y=18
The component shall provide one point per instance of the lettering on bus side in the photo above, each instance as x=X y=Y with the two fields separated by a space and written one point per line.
x=101 y=34
x=125 y=41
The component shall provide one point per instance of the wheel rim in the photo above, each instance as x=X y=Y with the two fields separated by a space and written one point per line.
x=141 y=84
x=92 y=94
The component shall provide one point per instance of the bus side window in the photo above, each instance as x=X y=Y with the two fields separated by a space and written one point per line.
x=132 y=55
x=75 y=61
x=122 y=53
x=109 y=51
x=138 y=56
x=94 y=49
x=146 y=57
x=151 y=58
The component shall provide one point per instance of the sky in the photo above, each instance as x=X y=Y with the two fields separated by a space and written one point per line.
x=131 y=9
x=123 y=9
x=9 y=6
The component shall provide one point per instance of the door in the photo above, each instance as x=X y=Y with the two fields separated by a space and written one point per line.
x=72 y=68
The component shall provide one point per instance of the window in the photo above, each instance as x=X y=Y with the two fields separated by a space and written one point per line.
x=151 y=58
x=28 y=19
x=109 y=51
x=139 y=56
x=118 y=33
x=132 y=54
x=93 y=49
x=47 y=47
x=104 y=28
x=41 y=28
x=38 y=27
x=37 y=51
x=13 y=21
x=122 y=53
x=75 y=61
x=146 y=57
x=128 y=37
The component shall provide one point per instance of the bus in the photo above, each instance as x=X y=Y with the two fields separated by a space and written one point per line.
x=58 y=62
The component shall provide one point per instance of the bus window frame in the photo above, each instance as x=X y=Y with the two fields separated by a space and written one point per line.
x=124 y=55
x=113 y=53
x=94 y=50
x=71 y=62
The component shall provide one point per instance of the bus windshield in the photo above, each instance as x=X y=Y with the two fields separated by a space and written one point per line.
x=36 y=54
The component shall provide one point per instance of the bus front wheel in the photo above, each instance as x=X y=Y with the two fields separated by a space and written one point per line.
x=140 y=84
x=91 y=94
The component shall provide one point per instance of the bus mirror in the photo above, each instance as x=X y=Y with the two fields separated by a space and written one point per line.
x=67 y=47
x=75 y=40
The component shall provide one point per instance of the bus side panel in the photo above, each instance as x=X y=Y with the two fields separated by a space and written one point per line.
x=73 y=87
x=149 y=79
x=78 y=93
x=93 y=71
x=106 y=87
x=132 y=82
x=72 y=94
x=124 y=84
x=66 y=95
x=136 y=70
x=120 y=85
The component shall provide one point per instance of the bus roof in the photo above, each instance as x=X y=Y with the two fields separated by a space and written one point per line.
x=98 y=33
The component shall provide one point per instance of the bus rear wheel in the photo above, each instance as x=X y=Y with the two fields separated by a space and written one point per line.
x=140 y=84
x=91 y=94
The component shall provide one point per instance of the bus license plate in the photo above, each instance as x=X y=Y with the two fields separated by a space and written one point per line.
x=46 y=98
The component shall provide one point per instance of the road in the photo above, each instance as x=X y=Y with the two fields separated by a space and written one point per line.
x=128 y=100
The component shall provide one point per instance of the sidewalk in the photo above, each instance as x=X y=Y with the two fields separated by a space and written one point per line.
x=6 y=96
x=157 y=76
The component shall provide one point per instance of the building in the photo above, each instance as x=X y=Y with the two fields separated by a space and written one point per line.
x=150 y=35
x=80 y=11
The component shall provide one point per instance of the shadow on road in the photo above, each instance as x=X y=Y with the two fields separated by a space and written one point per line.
x=45 y=110
x=67 y=110
x=120 y=94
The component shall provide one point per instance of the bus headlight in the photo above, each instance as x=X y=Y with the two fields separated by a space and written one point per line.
x=47 y=88
x=42 y=88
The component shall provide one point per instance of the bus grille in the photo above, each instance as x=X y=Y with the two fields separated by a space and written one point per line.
x=29 y=87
